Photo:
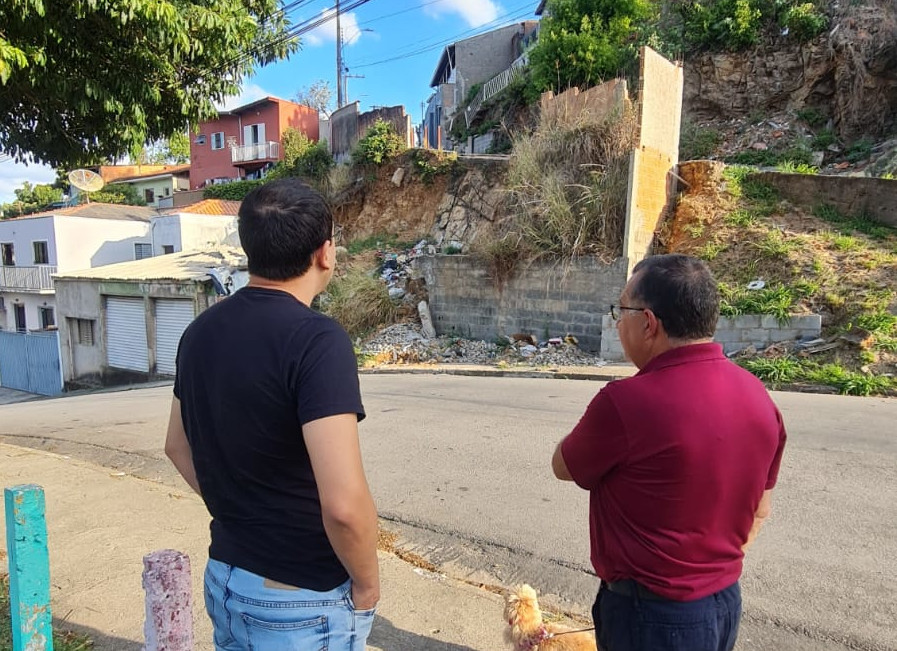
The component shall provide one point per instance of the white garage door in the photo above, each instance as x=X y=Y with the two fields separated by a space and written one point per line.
x=126 y=334
x=172 y=318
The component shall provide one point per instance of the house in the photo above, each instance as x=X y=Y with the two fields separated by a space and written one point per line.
x=244 y=142
x=157 y=188
x=34 y=247
x=468 y=62
x=123 y=322
x=199 y=226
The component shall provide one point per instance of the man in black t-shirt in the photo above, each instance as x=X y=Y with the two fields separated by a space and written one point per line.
x=264 y=426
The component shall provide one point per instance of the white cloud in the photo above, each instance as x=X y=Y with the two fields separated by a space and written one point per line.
x=474 y=12
x=326 y=32
x=13 y=175
x=250 y=93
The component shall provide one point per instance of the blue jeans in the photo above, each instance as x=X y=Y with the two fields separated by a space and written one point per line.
x=250 y=613
x=634 y=623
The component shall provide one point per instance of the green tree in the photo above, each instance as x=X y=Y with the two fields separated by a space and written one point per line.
x=31 y=198
x=174 y=150
x=584 y=42
x=122 y=193
x=88 y=79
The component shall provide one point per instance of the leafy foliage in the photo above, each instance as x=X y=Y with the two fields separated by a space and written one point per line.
x=235 y=191
x=583 y=42
x=380 y=144
x=122 y=193
x=84 y=80
x=738 y=24
x=30 y=199
x=304 y=158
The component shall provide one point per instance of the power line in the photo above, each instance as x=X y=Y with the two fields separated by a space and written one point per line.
x=298 y=30
x=508 y=18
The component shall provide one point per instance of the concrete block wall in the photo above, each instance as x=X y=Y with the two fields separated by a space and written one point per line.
x=540 y=299
x=734 y=333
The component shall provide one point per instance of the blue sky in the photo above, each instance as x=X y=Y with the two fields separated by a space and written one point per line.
x=394 y=44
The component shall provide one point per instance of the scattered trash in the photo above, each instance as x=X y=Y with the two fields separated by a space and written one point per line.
x=407 y=343
x=756 y=284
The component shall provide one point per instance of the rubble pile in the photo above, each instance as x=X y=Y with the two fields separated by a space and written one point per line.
x=395 y=268
x=405 y=343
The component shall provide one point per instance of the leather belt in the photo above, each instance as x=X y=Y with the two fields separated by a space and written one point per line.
x=631 y=588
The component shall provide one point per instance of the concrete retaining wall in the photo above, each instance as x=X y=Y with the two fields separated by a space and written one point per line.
x=734 y=333
x=465 y=299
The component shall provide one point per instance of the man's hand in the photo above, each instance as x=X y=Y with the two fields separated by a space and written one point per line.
x=763 y=511
x=365 y=598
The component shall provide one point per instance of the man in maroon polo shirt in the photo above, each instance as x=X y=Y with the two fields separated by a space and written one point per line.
x=680 y=461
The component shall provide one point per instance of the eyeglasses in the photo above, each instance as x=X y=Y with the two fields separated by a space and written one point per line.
x=616 y=311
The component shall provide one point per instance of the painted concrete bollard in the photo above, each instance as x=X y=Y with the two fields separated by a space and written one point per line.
x=169 y=601
x=29 y=569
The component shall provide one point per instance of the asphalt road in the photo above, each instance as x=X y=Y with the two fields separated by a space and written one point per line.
x=460 y=467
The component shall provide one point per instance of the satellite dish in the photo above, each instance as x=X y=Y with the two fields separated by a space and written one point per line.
x=86 y=180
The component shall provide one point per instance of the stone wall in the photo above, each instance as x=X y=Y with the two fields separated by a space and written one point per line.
x=734 y=333
x=540 y=299
x=850 y=195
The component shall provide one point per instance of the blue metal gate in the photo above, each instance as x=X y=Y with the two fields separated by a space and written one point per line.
x=30 y=362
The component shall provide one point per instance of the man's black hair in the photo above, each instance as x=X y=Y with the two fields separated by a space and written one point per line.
x=281 y=224
x=682 y=293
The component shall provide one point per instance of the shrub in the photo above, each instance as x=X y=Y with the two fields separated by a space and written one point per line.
x=804 y=21
x=380 y=144
x=234 y=191
x=725 y=24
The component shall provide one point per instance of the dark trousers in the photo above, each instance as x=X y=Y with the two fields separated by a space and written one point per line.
x=639 y=622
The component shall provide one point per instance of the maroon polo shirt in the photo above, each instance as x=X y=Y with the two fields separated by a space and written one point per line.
x=676 y=459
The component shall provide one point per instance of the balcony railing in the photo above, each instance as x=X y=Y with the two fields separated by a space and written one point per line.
x=27 y=279
x=259 y=152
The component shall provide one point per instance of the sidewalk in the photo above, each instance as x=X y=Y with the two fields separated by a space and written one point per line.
x=102 y=523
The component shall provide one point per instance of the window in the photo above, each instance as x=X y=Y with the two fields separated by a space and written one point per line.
x=200 y=139
x=82 y=331
x=218 y=140
x=2 y=304
x=143 y=251
x=149 y=195
x=167 y=248
x=7 y=255
x=167 y=191
x=41 y=254
x=47 y=317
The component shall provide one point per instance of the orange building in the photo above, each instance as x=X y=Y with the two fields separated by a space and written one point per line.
x=244 y=142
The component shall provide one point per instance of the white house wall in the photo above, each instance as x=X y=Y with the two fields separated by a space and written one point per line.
x=32 y=303
x=166 y=231
x=22 y=232
x=199 y=232
x=84 y=242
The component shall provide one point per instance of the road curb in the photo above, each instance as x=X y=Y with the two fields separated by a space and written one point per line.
x=601 y=376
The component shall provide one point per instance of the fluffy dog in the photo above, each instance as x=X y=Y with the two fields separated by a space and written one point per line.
x=527 y=632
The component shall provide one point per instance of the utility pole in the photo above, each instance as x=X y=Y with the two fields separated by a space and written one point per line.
x=346 y=78
x=340 y=100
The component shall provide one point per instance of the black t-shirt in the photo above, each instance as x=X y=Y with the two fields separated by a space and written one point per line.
x=251 y=371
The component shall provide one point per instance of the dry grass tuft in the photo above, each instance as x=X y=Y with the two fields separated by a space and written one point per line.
x=359 y=302
x=568 y=187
